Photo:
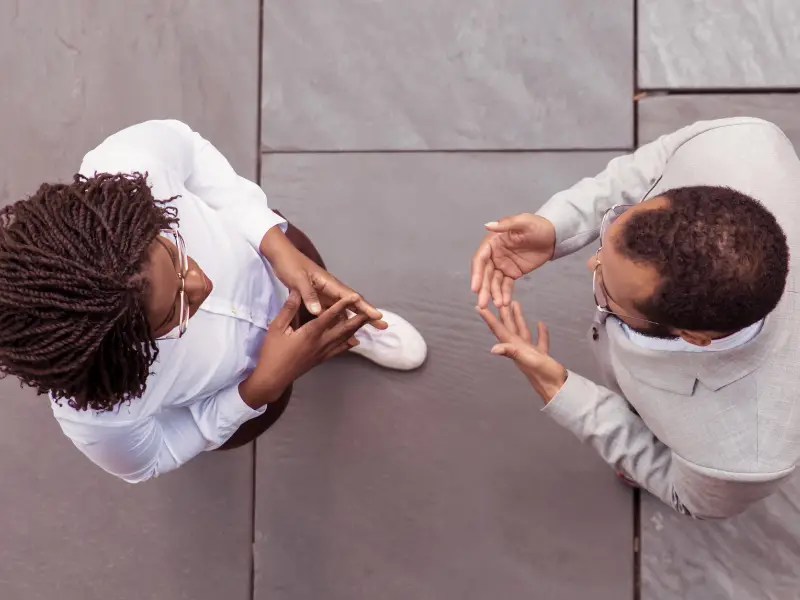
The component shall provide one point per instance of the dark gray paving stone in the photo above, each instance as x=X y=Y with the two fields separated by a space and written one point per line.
x=663 y=114
x=72 y=532
x=72 y=73
x=756 y=555
x=445 y=483
x=75 y=71
x=718 y=44
x=432 y=75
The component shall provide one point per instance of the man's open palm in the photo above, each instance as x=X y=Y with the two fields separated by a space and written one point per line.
x=514 y=247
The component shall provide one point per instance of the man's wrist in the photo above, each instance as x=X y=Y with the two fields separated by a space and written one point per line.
x=550 y=387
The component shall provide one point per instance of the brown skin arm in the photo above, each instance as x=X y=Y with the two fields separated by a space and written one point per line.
x=317 y=288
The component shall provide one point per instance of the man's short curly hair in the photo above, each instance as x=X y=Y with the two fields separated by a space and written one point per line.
x=72 y=315
x=722 y=257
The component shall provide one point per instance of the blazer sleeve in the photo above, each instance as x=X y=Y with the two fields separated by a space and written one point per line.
x=578 y=211
x=603 y=419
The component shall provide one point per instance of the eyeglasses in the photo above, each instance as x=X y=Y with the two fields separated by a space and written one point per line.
x=601 y=296
x=183 y=266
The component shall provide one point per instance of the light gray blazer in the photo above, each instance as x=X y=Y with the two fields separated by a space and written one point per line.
x=717 y=431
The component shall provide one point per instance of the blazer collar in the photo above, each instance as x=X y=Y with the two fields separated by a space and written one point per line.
x=678 y=372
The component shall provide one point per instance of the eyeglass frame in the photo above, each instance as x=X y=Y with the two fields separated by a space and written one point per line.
x=597 y=286
x=183 y=263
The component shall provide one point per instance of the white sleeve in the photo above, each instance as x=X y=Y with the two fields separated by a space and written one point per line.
x=140 y=449
x=179 y=162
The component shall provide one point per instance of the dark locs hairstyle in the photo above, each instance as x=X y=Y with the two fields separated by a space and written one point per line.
x=72 y=316
x=722 y=257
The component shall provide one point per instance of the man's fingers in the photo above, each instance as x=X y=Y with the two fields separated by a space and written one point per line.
x=543 y=342
x=508 y=350
x=508 y=290
x=519 y=321
x=498 y=329
x=508 y=319
x=500 y=226
x=485 y=294
x=479 y=261
x=497 y=292
x=286 y=315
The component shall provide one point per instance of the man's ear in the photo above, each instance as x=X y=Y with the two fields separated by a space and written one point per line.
x=696 y=338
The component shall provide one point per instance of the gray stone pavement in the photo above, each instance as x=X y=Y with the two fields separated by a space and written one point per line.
x=389 y=131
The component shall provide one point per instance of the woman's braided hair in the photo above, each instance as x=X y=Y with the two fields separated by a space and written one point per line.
x=72 y=314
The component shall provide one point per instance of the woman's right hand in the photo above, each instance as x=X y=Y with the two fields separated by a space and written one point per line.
x=288 y=353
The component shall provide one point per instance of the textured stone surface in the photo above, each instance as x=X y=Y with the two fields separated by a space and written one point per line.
x=663 y=114
x=446 y=483
x=756 y=555
x=433 y=75
x=72 y=532
x=72 y=73
x=75 y=71
x=718 y=43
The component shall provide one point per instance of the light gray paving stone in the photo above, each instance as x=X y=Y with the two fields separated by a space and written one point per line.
x=718 y=43
x=755 y=555
x=432 y=75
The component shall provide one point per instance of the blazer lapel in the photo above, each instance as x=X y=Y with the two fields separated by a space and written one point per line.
x=678 y=372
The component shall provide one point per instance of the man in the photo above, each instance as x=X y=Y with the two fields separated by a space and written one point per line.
x=149 y=299
x=697 y=325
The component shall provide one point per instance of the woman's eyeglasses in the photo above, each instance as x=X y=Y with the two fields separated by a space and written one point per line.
x=182 y=270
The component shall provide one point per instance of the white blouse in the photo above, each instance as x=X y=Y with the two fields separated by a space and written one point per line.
x=192 y=401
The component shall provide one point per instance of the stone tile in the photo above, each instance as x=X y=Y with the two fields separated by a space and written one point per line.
x=702 y=44
x=72 y=532
x=75 y=71
x=663 y=114
x=445 y=483
x=432 y=75
x=756 y=555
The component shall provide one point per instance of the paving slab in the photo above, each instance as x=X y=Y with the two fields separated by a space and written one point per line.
x=755 y=555
x=75 y=71
x=659 y=115
x=718 y=44
x=72 y=532
x=432 y=75
x=445 y=483
x=72 y=73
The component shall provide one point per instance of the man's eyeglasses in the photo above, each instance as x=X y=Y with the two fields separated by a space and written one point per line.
x=182 y=269
x=601 y=296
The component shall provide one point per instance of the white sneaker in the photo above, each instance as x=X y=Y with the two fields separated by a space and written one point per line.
x=400 y=346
